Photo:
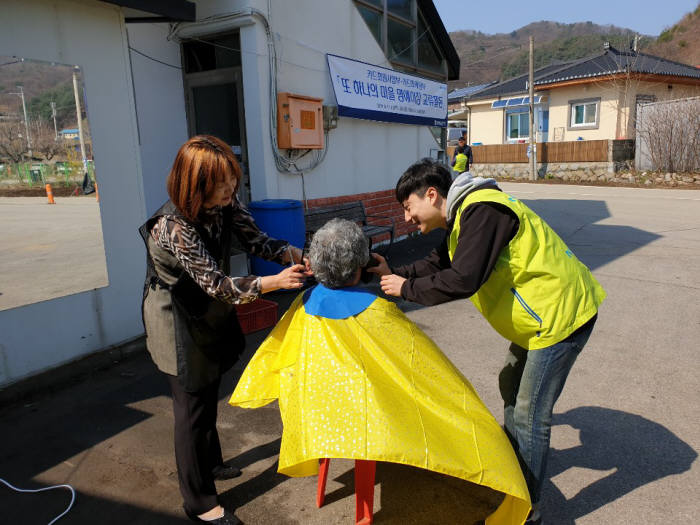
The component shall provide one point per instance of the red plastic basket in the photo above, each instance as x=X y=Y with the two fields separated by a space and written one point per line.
x=258 y=315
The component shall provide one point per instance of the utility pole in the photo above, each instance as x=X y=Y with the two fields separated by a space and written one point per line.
x=79 y=114
x=26 y=122
x=53 y=114
x=531 y=98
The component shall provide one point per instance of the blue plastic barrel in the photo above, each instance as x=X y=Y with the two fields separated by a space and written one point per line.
x=280 y=219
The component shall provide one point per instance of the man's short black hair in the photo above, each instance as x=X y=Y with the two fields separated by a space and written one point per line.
x=462 y=138
x=421 y=176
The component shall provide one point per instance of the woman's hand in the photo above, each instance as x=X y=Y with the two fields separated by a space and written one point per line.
x=382 y=268
x=289 y=278
x=296 y=256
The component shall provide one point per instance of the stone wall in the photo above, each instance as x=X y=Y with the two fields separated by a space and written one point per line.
x=567 y=171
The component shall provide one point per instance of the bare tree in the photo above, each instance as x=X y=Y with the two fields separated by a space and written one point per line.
x=669 y=134
x=13 y=143
x=622 y=88
x=44 y=138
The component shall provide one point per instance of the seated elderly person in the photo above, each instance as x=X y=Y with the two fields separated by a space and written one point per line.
x=356 y=379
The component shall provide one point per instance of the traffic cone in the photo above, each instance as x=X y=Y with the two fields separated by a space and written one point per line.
x=97 y=193
x=49 y=194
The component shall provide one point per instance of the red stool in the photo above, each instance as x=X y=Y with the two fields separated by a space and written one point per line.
x=364 y=488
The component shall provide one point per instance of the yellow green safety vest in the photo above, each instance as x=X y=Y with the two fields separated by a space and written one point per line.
x=538 y=293
x=460 y=163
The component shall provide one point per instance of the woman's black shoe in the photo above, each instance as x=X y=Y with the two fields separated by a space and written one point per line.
x=225 y=472
x=227 y=519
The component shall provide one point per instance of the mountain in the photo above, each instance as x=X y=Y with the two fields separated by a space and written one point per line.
x=485 y=58
x=42 y=83
x=681 y=42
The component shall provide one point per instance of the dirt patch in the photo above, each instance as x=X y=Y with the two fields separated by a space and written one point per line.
x=40 y=191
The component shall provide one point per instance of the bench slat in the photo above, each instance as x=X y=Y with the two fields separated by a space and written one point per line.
x=352 y=211
x=371 y=231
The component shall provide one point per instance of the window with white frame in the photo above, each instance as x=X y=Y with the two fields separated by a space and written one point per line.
x=584 y=113
x=517 y=125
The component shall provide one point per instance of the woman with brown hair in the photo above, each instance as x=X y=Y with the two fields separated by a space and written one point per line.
x=192 y=331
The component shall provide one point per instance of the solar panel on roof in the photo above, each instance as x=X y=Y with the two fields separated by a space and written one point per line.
x=499 y=104
x=526 y=100
x=515 y=101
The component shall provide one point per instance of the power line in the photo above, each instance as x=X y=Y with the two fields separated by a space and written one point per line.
x=151 y=58
x=392 y=57
x=228 y=48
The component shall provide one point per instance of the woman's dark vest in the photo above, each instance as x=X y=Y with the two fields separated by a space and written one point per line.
x=188 y=333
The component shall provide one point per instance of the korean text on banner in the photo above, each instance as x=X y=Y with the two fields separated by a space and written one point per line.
x=373 y=92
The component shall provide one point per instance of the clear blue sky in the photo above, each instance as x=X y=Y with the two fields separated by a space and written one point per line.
x=493 y=16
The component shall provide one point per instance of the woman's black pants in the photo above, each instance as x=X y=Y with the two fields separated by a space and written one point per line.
x=197 y=447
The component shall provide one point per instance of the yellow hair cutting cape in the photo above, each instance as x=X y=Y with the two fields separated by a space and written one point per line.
x=373 y=386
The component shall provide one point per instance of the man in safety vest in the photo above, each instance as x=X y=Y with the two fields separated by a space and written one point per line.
x=523 y=279
x=460 y=164
x=466 y=150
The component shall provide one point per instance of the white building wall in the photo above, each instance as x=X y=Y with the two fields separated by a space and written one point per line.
x=363 y=156
x=160 y=106
x=91 y=34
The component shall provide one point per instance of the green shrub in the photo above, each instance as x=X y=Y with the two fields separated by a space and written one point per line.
x=665 y=36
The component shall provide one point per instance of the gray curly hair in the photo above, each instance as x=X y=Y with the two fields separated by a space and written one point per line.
x=337 y=250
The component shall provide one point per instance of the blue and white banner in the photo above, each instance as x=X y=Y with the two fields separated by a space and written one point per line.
x=376 y=93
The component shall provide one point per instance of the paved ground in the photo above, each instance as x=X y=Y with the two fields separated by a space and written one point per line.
x=626 y=429
x=49 y=251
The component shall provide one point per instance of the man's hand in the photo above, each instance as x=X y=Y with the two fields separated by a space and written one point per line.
x=382 y=268
x=391 y=284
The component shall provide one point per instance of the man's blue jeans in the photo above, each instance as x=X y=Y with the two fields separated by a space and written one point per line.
x=530 y=384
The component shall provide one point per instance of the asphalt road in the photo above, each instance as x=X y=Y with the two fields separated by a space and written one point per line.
x=628 y=423
x=49 y=251
x=626 y=428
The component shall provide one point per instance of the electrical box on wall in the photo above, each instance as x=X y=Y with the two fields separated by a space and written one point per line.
x=299 y=122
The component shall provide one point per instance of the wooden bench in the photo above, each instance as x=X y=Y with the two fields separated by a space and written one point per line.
x=353 y=211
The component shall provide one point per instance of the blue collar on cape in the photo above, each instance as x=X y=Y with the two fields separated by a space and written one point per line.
x=337 y=303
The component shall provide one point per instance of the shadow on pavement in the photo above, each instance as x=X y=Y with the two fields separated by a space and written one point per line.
x=639 y=450
x=594 y=244
x=411 y=495
x=59 y=426
x=255 y=487
x=41 y=508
